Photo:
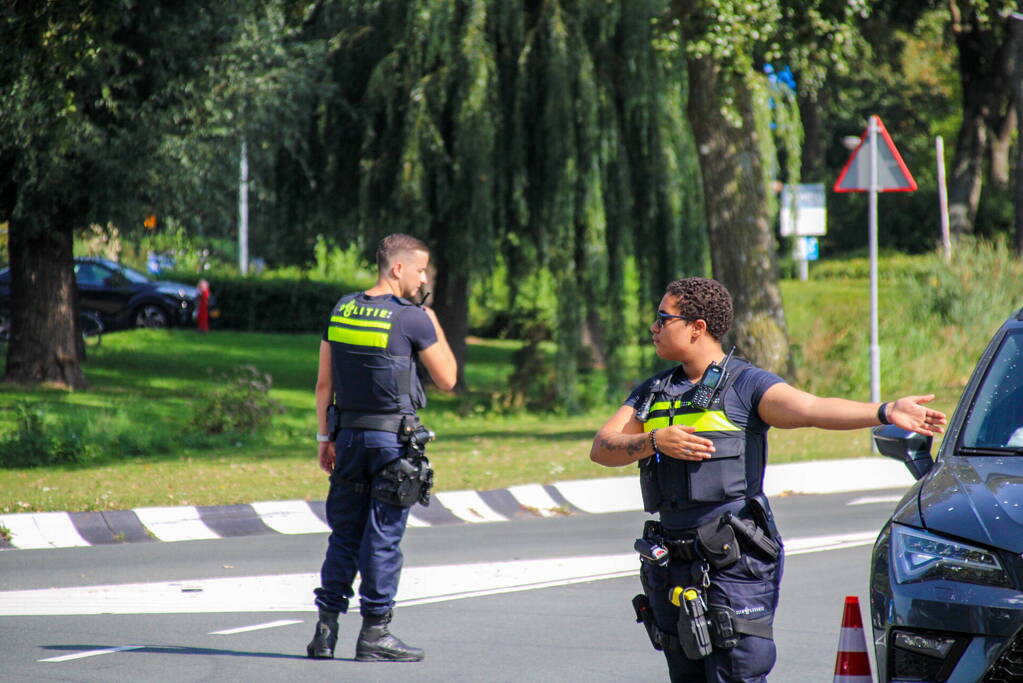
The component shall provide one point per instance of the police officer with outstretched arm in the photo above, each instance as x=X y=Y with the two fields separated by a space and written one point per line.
x=372 y=443
x=711 y=565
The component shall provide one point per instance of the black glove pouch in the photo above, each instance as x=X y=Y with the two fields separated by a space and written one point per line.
x=718 y=543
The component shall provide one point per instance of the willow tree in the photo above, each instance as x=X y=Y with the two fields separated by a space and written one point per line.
x=546 y=135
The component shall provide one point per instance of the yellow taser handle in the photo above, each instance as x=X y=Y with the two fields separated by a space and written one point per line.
x=678 y=594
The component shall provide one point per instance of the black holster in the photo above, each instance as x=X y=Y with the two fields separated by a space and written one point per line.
x=333 y=422
x=726 y=627
x=645 y=616
x=693 y=626
x=404 y=482
x=415 y=434
x=752 y=536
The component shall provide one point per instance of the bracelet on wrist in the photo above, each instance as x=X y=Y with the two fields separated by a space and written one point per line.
x=882 y=414
x=653 y=440
x=323 y=438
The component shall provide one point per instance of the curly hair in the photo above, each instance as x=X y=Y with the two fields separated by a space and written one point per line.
x=698 y=297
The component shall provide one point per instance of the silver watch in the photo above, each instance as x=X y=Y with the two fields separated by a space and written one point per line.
x=323 y=438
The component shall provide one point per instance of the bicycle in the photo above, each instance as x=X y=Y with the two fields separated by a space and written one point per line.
x=89 y=324
x=91 y=328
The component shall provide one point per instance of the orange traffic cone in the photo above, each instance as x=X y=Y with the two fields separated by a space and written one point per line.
x=852 y=665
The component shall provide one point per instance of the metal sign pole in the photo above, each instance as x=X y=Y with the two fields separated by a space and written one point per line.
x=875 y=349
x=946 y=239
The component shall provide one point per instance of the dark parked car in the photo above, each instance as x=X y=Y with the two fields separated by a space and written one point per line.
x=123 y=298
x=946 y=585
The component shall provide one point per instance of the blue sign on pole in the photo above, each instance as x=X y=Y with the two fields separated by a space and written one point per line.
x=809 y=248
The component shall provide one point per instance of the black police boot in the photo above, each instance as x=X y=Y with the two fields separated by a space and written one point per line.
x=324 y=637
x=377 y=644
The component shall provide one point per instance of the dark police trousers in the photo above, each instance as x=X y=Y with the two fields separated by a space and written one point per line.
x=365 y=532
x=750 y=586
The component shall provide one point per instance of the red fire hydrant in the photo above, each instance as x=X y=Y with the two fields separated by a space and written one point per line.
x=204 y=306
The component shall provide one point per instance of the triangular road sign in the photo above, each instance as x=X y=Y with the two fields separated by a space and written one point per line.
x=892 y=174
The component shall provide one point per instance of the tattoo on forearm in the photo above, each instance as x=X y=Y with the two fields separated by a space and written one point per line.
x=633 y=447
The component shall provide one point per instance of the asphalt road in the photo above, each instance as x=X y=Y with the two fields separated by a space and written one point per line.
x=573 y=626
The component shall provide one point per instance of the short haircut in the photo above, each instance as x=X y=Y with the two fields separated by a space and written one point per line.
x=698 y=297
x=392 y=246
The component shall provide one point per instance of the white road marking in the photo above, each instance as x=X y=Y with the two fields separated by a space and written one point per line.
x=514 y=589
x=613 y=494
x=293 y=592
x=836 y=476
x=415 y=521
x=289 y=517
x=175 y=523
x=42 y=530
x=468 y=505
x=816 y=544
x=255 y=627
x=92 y=653
x=870 y=500
x=535 y=497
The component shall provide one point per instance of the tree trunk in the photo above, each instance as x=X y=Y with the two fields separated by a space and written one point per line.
x=451 y=302
x=810 y=107
x=1001 y=147
x=43 y=347
x=742 y=246
x=986 y=60
x=967 y=177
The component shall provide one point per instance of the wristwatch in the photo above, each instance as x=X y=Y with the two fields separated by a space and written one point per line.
x=323 y=438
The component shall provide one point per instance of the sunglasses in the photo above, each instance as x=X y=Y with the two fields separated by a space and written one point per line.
x=664 y=317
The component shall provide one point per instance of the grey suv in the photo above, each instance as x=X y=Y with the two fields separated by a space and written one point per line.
x=946 y=584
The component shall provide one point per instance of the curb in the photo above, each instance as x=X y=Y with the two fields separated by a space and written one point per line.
x=589 y=496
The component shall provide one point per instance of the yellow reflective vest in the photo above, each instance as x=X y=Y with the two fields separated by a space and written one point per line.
x=670 y=484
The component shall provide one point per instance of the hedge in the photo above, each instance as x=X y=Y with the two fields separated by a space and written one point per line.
x=270 y=304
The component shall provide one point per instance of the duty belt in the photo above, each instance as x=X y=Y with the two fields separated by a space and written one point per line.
x=682 y=546
x=380 y=423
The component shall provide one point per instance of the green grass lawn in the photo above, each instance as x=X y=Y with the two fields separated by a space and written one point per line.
x=148 y=383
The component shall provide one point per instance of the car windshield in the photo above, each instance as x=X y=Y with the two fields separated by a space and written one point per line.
x=995 y=420
x=133 y=275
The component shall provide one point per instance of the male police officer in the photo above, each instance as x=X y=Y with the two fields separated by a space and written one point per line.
x=368 y=372
x=712 y=565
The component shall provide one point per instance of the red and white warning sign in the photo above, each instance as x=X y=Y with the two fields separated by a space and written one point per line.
x=892 y=174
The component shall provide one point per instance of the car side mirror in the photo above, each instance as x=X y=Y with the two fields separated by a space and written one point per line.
x=910 y=448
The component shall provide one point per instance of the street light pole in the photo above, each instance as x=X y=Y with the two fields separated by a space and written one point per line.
x=243 y=210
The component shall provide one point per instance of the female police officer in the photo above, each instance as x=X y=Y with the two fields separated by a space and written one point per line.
x=712 y=564
x=367 y=370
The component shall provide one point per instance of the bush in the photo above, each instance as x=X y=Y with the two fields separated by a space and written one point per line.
x=242 y=406
x=34 y=443
x=891 y=266
x=935 y=320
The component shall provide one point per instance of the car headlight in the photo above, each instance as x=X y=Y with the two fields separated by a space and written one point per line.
x=178 y=291
x=168 y=290
x=921 y=556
